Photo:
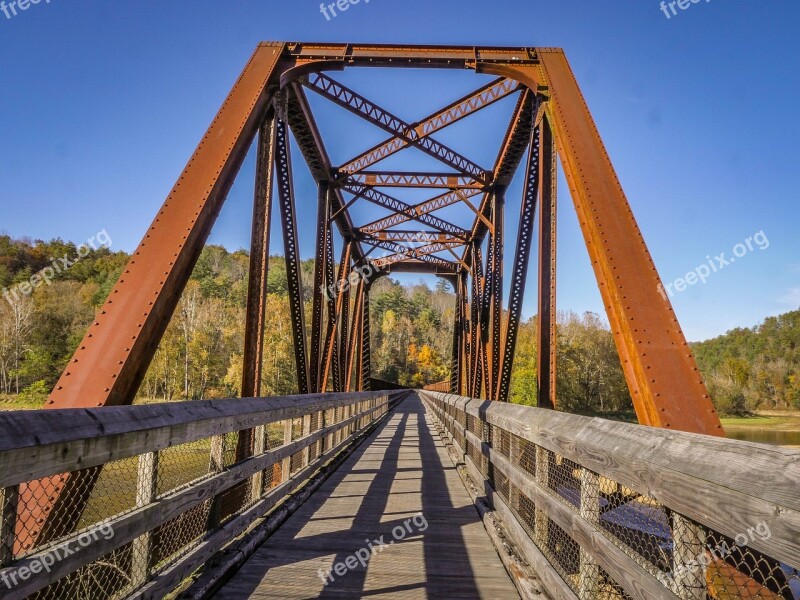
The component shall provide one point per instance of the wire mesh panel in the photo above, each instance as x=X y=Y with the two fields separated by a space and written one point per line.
x=107 y=577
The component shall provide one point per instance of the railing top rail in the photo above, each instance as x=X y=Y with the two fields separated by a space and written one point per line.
x=37 y=444
x=722 y=483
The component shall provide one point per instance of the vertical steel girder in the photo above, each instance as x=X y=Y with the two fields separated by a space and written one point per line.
x=257 y=281
x=259 y=262
x=283 y=164
x=354 y=343
x=496 y=295
x=334 y=353
x=658 y=363
x=319 y=300
x=521 y=261
x=546 y=320
x=459 y=336
x=366 y=355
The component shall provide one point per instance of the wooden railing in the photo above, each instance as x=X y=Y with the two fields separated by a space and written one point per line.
x=610 y=510
x=170 y=485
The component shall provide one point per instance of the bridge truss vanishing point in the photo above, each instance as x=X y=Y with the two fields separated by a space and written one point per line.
x=269 y=103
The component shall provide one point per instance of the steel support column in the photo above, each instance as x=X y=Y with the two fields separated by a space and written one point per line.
x=292 y=254
x=257 y=281
x=259 y=262
x=546 y=321
x=521 y=261
x=496 y=297
x=365 y=373
x=320 y=270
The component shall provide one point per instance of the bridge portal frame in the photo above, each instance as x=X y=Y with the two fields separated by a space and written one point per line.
x=551 y=116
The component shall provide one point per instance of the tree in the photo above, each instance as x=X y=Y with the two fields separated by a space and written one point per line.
x=16 y=327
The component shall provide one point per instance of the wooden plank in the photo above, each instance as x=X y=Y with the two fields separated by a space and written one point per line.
x=399 y=474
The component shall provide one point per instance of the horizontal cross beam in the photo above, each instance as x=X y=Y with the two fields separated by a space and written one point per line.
x=453 y=113
x=453 y=181
x=371 y=112
x=419 y=210
x=411 y=236
x=398 y=206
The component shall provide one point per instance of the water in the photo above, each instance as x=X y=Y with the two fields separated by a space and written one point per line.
x=766 y=436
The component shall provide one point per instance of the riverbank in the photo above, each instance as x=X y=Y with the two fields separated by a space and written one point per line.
x=768 y=427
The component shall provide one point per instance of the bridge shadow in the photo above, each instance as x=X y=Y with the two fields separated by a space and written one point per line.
x=397 y=474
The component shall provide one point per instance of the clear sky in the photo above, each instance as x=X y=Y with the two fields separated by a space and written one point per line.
x=103 y=102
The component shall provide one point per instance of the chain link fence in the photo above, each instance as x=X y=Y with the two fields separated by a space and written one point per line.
x=570 y=489
x=153 y=496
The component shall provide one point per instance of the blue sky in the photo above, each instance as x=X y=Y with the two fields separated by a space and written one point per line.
x=102 y=104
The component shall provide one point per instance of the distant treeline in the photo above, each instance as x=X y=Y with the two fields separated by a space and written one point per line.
x=758 y=368
x=411 y=327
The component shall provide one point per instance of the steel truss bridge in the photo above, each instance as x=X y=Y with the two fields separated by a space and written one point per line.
x=354 y=489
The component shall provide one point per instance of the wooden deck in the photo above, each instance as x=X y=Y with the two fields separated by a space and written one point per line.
x=403 y=470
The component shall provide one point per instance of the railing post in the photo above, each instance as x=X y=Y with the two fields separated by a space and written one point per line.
x=8 y=503
x=542 y=521
x=689 y=542
x=146 y=493
x=306 y=431
x=257 y=481
x=286 y=465
x=216 y=465
x=590 y=511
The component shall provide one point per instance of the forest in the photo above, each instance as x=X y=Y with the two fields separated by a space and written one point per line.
x=411 y=327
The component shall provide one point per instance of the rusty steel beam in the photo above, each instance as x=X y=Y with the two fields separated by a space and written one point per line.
x=398 y=206
x=482 y=59
x=521 y=260
x=255 y=313
x=333 y=356
x=319 y=301
x=658 y=363
x=366 y=355
x=453 y=113
x=457 y=357
x=354 y=343
x=546 y=330
x=413 y=212
x=453 y=181
x=411 y=236
x=371 y=112
x=259 y=262
x=402 y=253
x=512 y=151
x=309 y=140
x=496 y=292
x=407 y=265
x=291 y=250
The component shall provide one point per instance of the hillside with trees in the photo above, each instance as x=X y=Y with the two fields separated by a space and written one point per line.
x=411 y=328
x=754 y=369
